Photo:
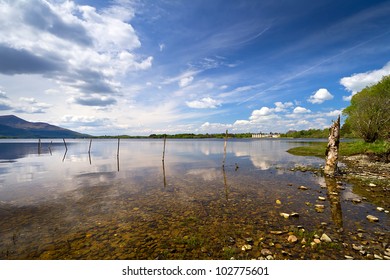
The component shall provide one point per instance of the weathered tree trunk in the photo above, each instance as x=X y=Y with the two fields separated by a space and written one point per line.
x=332 y=150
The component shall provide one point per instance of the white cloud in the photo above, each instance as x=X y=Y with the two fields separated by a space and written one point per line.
x=334 y=113
x=264 y=111
x=301 y=110
x=204 y=103
x=161 y=47
x=320 y=96
x=81 y=48
x=281 y=107
x=185 y=81
x=357 y=82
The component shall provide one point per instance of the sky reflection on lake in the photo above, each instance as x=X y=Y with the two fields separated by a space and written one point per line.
x=67 y=195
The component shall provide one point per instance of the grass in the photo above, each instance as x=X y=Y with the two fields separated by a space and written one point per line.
x=346 y=148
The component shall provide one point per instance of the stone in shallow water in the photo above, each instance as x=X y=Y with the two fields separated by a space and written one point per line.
x=357 y=247
x=325 y=238
x=321 y=198
x=246 y=247
x=292 y=239
x=265 y=252
x=284 y=215
x=380 y=209
x=294 y=214
x=372 y=218
x=302 y=188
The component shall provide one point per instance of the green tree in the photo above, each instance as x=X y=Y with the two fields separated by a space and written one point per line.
x=368 y=116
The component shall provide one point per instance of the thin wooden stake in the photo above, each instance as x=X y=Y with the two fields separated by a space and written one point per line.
x=39 y=146
x=90 y=143
x=51 y=142
x=66 y=147
x=165 y=141
x=117 y=153
x=224 y=149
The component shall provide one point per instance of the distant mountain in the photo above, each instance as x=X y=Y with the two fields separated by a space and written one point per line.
x=13 y=127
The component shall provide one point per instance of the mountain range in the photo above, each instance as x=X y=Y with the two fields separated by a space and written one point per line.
x=14 y=127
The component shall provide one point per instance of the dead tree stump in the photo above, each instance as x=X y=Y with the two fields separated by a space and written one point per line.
x=332 y=150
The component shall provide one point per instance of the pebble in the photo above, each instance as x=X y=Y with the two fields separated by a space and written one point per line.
x=372 y=185
x=356 y=200
x=292 y=239
x=294 y=214
x=325 y=238
x=277 y=232
x=380 y=209
x=357 y=248
x=317 y=241
x=278 y=202
x=378 y=257
x=246 y=247
x=348 y=257
x=303 y=188
x=265 y=252
x=284 y=215
x=321 y=198
x=372 y=218
x=319 y=208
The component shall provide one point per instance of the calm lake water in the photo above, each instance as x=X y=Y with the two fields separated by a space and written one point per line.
x=71 y=204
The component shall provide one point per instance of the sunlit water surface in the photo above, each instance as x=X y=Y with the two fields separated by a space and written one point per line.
x=58 y=203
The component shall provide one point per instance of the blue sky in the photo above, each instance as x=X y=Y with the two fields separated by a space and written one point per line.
x=201 y=66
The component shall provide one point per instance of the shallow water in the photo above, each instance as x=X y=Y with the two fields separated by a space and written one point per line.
x=71 y=204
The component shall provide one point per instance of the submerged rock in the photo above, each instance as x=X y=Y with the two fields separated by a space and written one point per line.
x=302 y=188
x=325 y=238
x=246 y=247
x=372 y=218
x=292 y=239
x=265 y=252
x=285 y=215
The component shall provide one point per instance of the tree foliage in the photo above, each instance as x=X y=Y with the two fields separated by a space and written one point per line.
x=368 y=116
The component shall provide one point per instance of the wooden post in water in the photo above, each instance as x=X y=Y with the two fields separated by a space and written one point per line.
x=39 y=146
x=66 y=147
x=332 y=150
x=90 y=143
x=51 y=142
x=165 y=141
x=224 y=149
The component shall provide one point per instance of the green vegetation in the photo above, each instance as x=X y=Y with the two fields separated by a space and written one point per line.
x=368 y=115
x=311 y=133
x=346 y=148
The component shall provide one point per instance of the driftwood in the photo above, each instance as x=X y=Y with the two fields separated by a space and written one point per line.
x=332 y=150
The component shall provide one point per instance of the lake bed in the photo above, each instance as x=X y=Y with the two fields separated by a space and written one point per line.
x=58 y=203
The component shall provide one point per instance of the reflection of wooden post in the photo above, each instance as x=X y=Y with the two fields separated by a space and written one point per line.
x=117 y=155
x=165 y=141
x=66 y=147
x=165 y=180
x=117 y=152
x=225 y=183
x=334 y=200
x=332 y=150
x=224 y=149
x=51 y=142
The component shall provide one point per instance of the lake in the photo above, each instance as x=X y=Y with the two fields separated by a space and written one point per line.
x=66 y=203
